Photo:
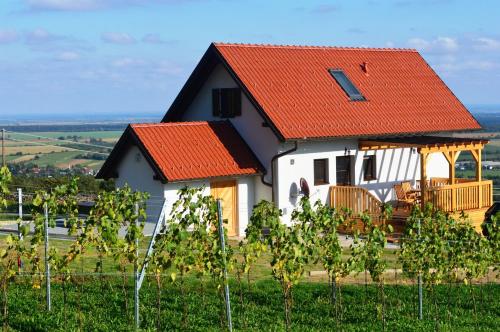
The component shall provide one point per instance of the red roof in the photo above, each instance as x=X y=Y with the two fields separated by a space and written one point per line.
x=294 y=89
x=188 y=150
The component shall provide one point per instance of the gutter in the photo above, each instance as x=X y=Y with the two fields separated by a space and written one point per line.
x=273 y=159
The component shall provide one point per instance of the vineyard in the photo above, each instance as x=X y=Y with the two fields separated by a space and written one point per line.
x=442 y=276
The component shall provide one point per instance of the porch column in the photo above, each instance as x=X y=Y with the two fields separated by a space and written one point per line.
x=423 y=177
x=451 y=158
x=479 y=172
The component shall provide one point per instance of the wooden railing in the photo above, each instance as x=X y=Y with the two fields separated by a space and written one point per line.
x=357 y=199
x=463 y=195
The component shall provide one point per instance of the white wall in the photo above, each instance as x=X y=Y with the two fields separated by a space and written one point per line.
x=135 y=171
x=245 y=197
x=261 y=140
x=393 y=166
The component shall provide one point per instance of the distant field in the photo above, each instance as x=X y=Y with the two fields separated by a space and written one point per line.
x=113 y=135
x=49 y=150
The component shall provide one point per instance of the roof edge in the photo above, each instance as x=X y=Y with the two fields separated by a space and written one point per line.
x=341 y=48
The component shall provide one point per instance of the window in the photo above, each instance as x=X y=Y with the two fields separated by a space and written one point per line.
x=226 y=103
x=320 y=171
x=343 y=170
x=346 y=85
x=369 y=168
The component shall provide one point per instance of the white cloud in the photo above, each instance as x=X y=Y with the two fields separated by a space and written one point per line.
x=117 y=38
x=8 y=36
x=67 y=56
x=486 y=44
x=437 y=45
x=126 y=62
x=89 y=5
x=153 y=38
x=64 y=5
x=168 y=68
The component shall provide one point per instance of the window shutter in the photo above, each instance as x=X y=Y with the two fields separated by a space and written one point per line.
x=236 y=101
x=225 y=103
x=216 y=102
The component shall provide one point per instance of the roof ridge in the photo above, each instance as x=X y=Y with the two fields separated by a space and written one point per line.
x=179 y=123
x=340 y=48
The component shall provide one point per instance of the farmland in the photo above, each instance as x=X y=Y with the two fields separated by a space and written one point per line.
x=61 y=149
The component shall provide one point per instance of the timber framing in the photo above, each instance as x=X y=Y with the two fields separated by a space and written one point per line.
x=423 y=144
x=452 y=196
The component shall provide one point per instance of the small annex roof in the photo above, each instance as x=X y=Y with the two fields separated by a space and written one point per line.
x=293 y=89
x=186 y=151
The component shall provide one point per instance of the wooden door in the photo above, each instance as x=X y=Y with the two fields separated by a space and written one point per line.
x=227 y=192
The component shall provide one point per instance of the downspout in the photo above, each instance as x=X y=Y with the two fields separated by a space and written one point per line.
x=273 y=159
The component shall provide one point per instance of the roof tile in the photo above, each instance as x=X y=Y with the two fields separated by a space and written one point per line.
x=195 y=150
x=294 y=88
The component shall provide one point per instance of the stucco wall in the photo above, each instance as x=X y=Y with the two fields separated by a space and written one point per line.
x=261 y=140
x=393 y=166
x=135 y=171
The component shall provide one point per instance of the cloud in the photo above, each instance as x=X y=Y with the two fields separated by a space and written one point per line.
x=67 y=56
x=8 y=36
x=64 y=5
x=40 y=35
x=153 y=38
x=486 y=44
x=356 y=30
x=120 y=38
x=437 y=45
x=126 y=62
x=89 y=5
x=325 y=9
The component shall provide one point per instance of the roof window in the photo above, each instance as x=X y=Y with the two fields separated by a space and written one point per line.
x=346 y=85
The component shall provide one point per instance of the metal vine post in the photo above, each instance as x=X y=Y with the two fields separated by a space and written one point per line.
x=226 y=285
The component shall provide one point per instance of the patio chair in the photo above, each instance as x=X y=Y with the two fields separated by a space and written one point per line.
x=409 y=191
x=402 y=198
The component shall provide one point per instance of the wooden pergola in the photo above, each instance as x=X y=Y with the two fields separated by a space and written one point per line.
x=450 y=147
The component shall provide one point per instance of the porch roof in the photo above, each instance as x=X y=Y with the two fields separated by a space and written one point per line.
x=424 y=144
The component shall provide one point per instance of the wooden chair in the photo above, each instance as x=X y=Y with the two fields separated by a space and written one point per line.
x=409 y=191
x=402 y=198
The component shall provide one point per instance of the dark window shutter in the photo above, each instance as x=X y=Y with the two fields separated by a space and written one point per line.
x=236 y=101
x=216 y=102
x=225 y=103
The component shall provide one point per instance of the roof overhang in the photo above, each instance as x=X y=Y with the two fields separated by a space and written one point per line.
x=128 y=139
x=423 y=144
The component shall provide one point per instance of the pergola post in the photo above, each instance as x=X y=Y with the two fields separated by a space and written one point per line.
x=479 y=173
x=423 y=177
x=451 y=158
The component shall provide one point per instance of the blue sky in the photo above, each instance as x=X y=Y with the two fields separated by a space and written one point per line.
x=133 y=56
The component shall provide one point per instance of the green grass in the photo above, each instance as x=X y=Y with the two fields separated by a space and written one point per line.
x=99 y=305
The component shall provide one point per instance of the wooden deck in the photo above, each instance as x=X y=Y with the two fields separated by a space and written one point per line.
x=471 y=197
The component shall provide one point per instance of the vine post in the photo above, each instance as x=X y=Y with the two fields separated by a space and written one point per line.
x=420 y=292
x=136 y=272
x=47 y=265
x=224 y=262
x=20 y=209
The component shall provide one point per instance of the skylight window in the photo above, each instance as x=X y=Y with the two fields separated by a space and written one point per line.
x=346 y=85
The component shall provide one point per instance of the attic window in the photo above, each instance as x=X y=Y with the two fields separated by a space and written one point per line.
x=226 y=103
x=346 y=85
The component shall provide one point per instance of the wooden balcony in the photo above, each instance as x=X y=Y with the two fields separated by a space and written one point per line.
x=462 y=196
x=468 y=196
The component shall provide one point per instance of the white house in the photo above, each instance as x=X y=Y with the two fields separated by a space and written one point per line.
x=257 y=122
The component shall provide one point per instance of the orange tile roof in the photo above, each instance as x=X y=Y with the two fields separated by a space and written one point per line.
x=187 y=150
x=195 y=150
x=292 y=86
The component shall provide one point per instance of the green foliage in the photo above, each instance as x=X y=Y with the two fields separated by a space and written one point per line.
x=190 y=241
x=5 y=180
x=493 y=235
x=438 y=246
x=367 y=253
